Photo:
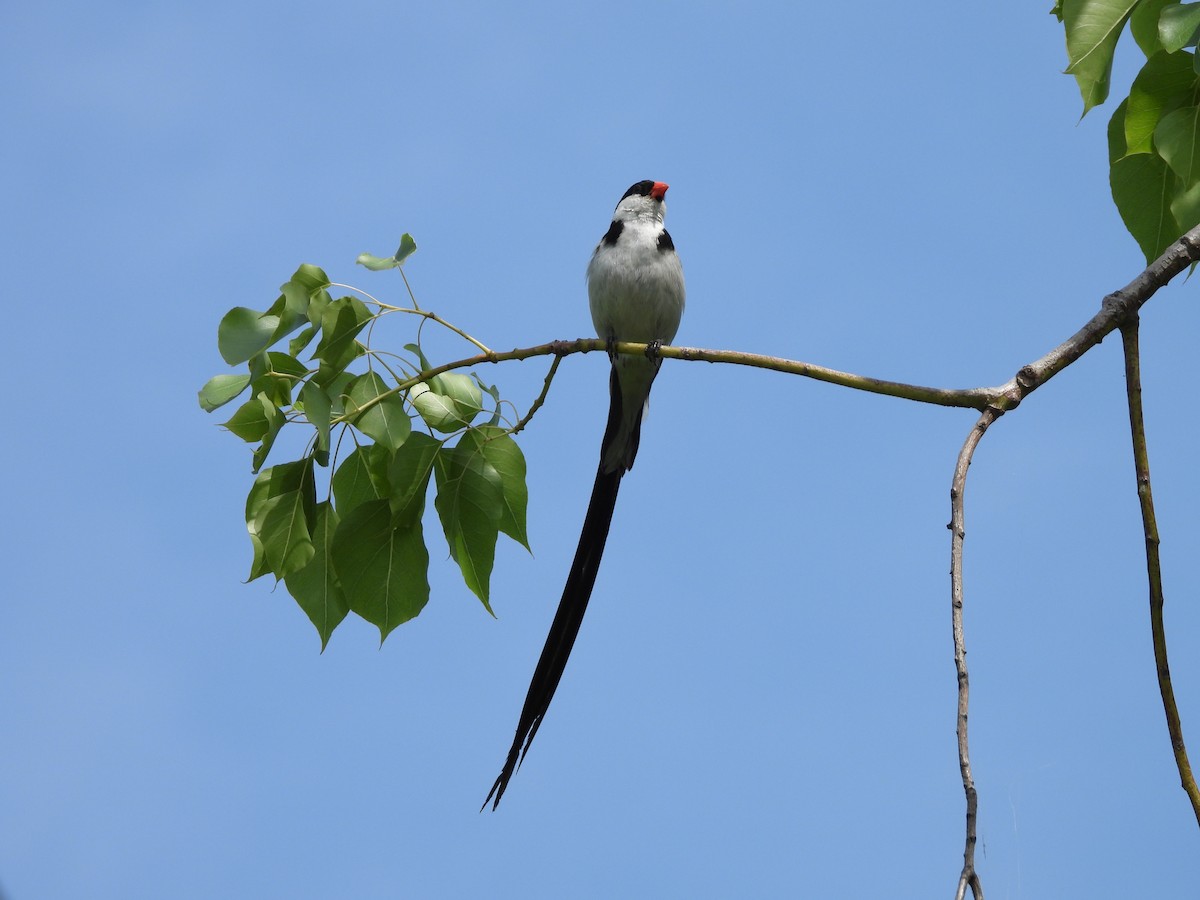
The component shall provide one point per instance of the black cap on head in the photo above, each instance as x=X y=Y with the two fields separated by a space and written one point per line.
x=647 y=188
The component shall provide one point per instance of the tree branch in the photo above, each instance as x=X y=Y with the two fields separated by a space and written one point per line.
x=1118 y=310
x=1141 y=464
x=958 y=533
x=540 y=399
x=1115 y=308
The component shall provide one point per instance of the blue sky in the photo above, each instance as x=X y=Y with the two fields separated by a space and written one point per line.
x=761 y=702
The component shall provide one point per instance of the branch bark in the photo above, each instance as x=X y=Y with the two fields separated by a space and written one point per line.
x=1117 y=310
x=957 y=534
x=1141 y=464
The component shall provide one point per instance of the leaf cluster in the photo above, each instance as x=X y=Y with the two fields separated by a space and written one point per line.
x=1154 y=134
x=346 y=535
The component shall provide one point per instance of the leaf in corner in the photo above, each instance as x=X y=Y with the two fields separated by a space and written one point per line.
x=1142 y=187
x=1178 y=24
x=1185 y=207
x=1143 y=24
x=1164 y=83
x=1177 y=139
x=1093 y=27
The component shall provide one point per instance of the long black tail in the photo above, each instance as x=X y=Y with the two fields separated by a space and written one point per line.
x=573 y=604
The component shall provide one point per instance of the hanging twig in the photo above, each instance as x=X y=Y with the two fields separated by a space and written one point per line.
x=1141 y=464
x=540 y=399
x=958 y=532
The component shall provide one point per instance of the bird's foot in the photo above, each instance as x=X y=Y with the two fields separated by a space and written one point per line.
x=652 y=353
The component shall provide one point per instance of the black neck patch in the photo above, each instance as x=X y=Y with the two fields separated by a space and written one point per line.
x=664 y=241
x=614 y=232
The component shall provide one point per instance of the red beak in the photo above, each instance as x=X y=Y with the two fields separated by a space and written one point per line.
x=659 y=190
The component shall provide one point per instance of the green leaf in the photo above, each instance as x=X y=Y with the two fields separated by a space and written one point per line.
x=1164 y=83
x=317 y=304
x=318 y=409
x=312 y=278
x=378 y=263
x=1143 y=24
x=1178 y=25
x=354 y=483
x=385 y=419
x=297 y=294
x=289 y=307
x=1142 y=187
x=1177 y=139
x=448 y=402
x=244 y=333
x=343 y=320
x=270 y=484
x=336 y=387
x=282 y=527
x=384 y=571
x=257 y=420
x=275 y=374
x=252 y=419
x=220 y=389
x=470 y=502
x=494 y=392
x=406 y=249
x=502 y=452
x=275 y=421
x=295 y=301
x=1116 y=133
x=302 y=340
x=316 y=587
x=1093 y=27
x=415 y=349
x=408 y=475
x=1185 y=207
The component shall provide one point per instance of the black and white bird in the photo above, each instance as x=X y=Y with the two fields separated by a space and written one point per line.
x=635 y=290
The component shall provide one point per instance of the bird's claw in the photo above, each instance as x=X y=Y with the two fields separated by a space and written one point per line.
x=652 y=353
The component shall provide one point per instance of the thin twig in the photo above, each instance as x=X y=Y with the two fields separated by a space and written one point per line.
x=1141 y=463
x=969 y=398
x=434 y=317
x=540 y=399
x=958 y=533
x=1116 y=310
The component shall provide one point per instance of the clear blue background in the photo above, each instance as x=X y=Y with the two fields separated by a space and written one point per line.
x=761 y=702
